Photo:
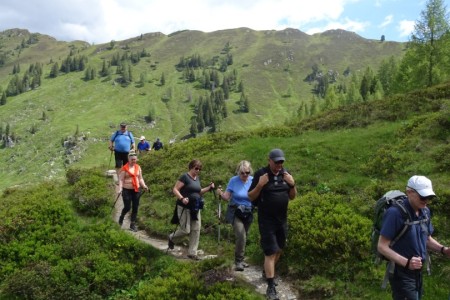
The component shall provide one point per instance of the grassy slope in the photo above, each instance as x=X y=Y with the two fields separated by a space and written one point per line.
x=270 y=63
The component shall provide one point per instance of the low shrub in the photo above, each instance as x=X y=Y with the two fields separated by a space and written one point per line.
x=90 y=195
x=327 y=237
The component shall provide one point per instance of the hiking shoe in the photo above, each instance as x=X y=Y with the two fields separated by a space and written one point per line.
x=271 y=293
x=133 y=227
x=264 y=277
x=193 y=257
x=239 y=266
x=171 y=244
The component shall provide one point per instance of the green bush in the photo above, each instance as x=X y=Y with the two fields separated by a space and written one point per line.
x=90 y=194
x=48 y=253
x=327 y=237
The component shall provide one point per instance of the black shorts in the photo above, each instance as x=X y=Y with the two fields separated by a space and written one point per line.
x=121 y=158
x=273 y=235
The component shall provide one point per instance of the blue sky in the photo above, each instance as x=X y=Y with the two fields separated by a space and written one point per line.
x=100 y=21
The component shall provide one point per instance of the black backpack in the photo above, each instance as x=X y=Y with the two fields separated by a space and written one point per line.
x=393 y=198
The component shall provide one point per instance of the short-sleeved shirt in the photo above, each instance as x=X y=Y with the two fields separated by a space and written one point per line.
x=157 y=145
x=143 y=146
x=122 y=141
x=274 y=197
x=239 y=191
x=414 y=241
x=190 y=189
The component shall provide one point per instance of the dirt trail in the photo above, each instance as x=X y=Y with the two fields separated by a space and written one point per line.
x=252 y=274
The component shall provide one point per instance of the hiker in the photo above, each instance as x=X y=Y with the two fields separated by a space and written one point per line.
x=130 y=182
x=143 y=145
x=157 y=145
x=189 y=193
x=121 y=142
x=409 y=253
x=240 y=210
x=271 y=189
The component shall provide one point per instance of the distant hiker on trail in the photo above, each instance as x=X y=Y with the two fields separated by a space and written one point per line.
x=409 y=253
x=240 y=210
x=189 y=203
x=271 y=189
x=143 y=145
x=130 y=183
x=157 y=145
x=121 y=142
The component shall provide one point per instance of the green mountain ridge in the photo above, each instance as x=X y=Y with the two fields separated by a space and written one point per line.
x=272 y=65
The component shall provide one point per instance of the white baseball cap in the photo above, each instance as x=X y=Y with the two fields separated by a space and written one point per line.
x=142 y=138
x=421 y=185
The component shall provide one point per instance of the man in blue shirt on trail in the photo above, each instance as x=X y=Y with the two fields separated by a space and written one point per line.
x=121 y=142
x=410 y=252
x=143 y=145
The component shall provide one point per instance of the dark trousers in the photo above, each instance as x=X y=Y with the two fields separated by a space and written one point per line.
x=130 y=201
x=406 y=284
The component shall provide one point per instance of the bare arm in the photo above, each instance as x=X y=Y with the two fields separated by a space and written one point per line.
x=141 y=181
x=121 y=179
x=434 y=245
x=254 y=194
x=411 y=263
x=291 y=183
x=223 y=195
x=207 y=189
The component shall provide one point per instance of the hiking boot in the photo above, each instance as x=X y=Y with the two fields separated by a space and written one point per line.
x=264 y=277
x=239 y=266
x=271 y=293
x=133 y=227
x=171 y=244
x=121 y=220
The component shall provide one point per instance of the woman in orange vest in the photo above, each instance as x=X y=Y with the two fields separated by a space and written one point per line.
x=130 y=182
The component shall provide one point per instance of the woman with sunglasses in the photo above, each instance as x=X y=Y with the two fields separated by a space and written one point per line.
x=189 y=193
x=240 y=210
x=130 y=182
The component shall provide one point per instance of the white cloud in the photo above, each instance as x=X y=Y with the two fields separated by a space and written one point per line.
x=105 y=20
x=406 y=27
x=387 y=20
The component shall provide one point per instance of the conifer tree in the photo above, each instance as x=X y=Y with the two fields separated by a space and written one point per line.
x=3 y=99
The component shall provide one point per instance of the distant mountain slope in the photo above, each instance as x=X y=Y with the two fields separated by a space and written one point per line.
x=270 y=65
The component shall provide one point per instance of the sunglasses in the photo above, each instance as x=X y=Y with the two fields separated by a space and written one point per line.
x=245 y=173
x=428 y=198
x=197 y=169
x=280 y=162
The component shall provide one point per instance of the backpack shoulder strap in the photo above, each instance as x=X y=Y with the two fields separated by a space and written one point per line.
x=406 y=217
x=115 y=135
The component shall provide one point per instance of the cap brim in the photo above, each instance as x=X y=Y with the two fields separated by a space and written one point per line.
x=426 y=192
x=278 y=158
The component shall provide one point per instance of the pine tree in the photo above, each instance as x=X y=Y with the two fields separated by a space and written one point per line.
x=428 y=49
x=3 y=99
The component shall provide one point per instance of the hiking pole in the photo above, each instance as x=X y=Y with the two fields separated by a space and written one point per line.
x=219 y=213
x=114 y=205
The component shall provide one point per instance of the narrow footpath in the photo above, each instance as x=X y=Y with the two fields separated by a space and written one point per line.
x=252 y=274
